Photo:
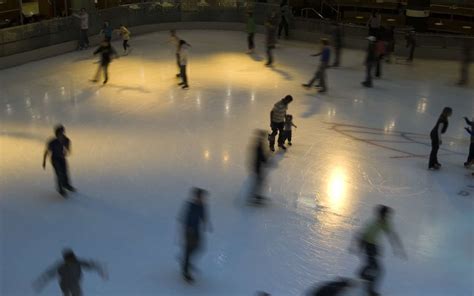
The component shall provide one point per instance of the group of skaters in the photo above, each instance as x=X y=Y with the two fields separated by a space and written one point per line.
x=440 y=128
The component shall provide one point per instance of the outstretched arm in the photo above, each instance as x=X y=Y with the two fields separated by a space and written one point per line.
x=468 y=130
x=317 y=54
x=45 y=155
x=45 y=277
x=468 y=121
x=396 y=244
x=93 y=265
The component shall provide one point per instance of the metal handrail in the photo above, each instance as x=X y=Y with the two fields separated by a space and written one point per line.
x=306 y=9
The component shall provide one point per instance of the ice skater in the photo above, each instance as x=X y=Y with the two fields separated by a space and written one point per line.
x=174 y=40
x=284 y=13
x=368 y=243
x=83 y=34
x=287 y=129
x=410 y=38
x=370 y=60
x=374 y=23
x=107 y=53
x=251 y=29
x=69 y=273
x=59 y=147
x=379 y=56
x=323 y=65
x=270 y=30
x=465 y=61
x=183 y=62
x=125 y=34
x=107 y=31
x=337 y=42
x=258 y=165
x=277 y=122
x=193 y=218
x=435 y=136
x=470 y=130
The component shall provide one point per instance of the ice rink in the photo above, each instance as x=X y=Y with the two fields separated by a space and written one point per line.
x=140 y=143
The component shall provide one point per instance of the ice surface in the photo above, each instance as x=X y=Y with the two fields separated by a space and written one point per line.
x=140 y=143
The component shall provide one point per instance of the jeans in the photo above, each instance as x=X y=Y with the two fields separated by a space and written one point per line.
x=371 y=270
x=368 y=68
x=62 y=176
x=105 y=69
x=283 y=25
x=287 y=136
x=270 y=54
x=182 y=73
x=71 y=290
x=125 y=45
x=250 y=41
x=434 y=149
x=320 y=75
x=83 y=38
x=470 y=157
x=277 y=128
x=190 y=247
x=378 y=67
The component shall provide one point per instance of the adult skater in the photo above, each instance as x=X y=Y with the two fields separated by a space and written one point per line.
x=320 y=75
x=107 y=53
x=183 y=62
x=125 y=34
x=370 y=60
x=379 y=55
x=251 y=29
x=390 y=39
x=332 y=288
x=284 y=13
x=410 y=38
x=194 y=218
x=465 y=61
x=107 y=31
x=258 y=165
x=270 y=27
x=374 y=23
x=337 y=42
x=59 y=147
x=174 y=40
x=69 y=272
x=277 y=122
x=435 y=136
x=84 y=19
x=368 y=243
x=470 y=130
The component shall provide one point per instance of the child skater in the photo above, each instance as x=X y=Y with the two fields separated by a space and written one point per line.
x=125 y=34
x=287 y=128
x=470 y=130
x=183 y=62
x=435 y=136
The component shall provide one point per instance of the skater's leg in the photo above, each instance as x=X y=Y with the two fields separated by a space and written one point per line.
x=322 y=77
x=124 y=44
x=378 y=68
x=105 y=67
x=470 y=157
x=97 y=74
x=434 y=151
x=288 y=136
x=184 y=75
x=59 y=176
x=271 y=137
x=86 y=38
x=179 y=65
x=281 y=137
x=286 y=28
x=280 y=27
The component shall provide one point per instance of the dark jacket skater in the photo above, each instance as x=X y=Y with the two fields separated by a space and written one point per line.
x=277 y=122
x=470 y=130
x=107 y=53
x=370 y=61
x=440 y=127
x=270 y=40
x=193 y=218
x=59 y=147
x=69 y=272
x=257 y=164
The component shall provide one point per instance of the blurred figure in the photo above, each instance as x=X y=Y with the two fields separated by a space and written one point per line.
x=466 y=60
x=287 y=129
x=390 y=39
x=174 y=39
x=435 y=136
x=470 y=130
x=258 y=165
x=320 y=75
x=107 y=53
x=333 y=288
x=83 y=34
x=270 y=27
x=370 y=60
x=368 y=242
x=337 y=42
x=374 y=23
x=410 y=38
x=277 y=122
x=251 y=29
x=284 y=14
x=59 y=148
x=183 y=62
x=194 y=217
x=107 y=31
x=69 y=272
x=379 y=55
x=125 y=34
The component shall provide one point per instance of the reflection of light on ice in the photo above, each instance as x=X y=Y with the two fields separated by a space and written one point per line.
x=206 y=154
x=421 y=106
x=332 y=112
x=390 y=126
x=225 y=158
x=337 y=188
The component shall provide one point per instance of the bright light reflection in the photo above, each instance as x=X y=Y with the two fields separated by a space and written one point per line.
x=390 y=126
x=225 y=158
x=337 y=188
x=421 y=106
x=206 y=154
x=332 y=112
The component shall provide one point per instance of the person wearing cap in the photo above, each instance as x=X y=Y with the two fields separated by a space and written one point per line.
x=370 y=61
x=323 y=65
x=277 y=122
x=69 y=273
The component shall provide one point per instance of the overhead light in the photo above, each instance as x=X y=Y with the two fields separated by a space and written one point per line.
x=390 y=20
x=440 y=23
x=467 y=27
x=359 y=17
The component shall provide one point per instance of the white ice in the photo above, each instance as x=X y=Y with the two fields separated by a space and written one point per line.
x=140 y=143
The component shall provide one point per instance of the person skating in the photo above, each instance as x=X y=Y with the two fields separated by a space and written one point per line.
x=370 y=60
x=125 y=34
x=379 y=56
x=194 y=218
x=465 y=61
x=277 y=122
x=59 y=147
x=251 y=29
x=435 y=136
x=83 y=34
x=270 y=28
x=374 y=23
x=323 y=65
x=183 y=62
x=368 y=243
x=337 y=42
x=174 y=40
x=258 y=164
x=107 y=53
x=69 y=273
x=470 y=130
x=107 y=31
x=287 y=129
x=390 y=39
x=410 y=38
x=284 y=13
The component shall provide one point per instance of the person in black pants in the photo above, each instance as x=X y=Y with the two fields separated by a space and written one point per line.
x=333 y=288
x=107 y=53
x=411 y=43
x=257 y=165
x=270 y=37
x=435 y=136
x=194 y=215
x=370 y=61
x=470 y=130
x=183 y=62
x=277 y=122
x=59 y=148
x=337 y=40
x=69 y=272
x=284 y=11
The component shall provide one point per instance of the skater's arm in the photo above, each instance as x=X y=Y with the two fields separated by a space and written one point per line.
x=468 y=121
x=93 y=265
x=45 y=277
x=468 y=130
x=45 y=155
x=396 y=243
x=294 y=125
x=317 y=54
